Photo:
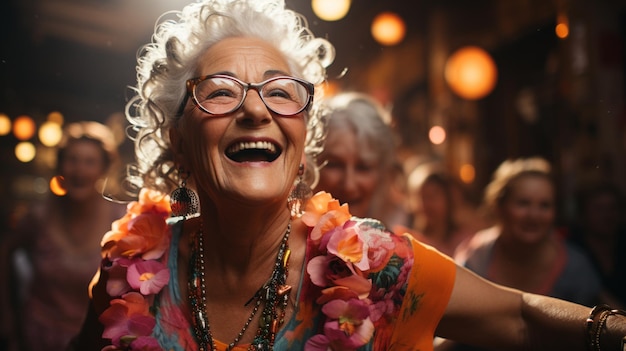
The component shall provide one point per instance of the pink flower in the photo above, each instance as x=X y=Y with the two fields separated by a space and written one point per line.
x=347 y=245
x=380 y=247
x=126 y=319
x=381 y=308
x=145 y=343
x=318 y=342
x=117 y=284
x=350 y=326
x=326 y=271
x=149 y=277
x=133 y=245
x=349 y=251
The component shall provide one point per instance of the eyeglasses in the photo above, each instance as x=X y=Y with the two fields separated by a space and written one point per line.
x=219 y=95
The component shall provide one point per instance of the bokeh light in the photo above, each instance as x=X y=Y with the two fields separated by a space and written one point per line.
x=24 y=127
x=56 y=117
x=471 y=73
x=467 y=173
x=388 y=28
x=562 y=27
x=330 y=10
x=40 y=185
x=55 y=186
x=5 y=124
x=25 y=151
x=437 y=135
x=50 y=133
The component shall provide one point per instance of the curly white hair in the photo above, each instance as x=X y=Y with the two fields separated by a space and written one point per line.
x=179 y=40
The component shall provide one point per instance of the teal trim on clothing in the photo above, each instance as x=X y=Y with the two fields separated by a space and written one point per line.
x=170 y=342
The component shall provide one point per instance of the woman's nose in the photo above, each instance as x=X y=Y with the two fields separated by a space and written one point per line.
x=254 y=109
x=350 y=185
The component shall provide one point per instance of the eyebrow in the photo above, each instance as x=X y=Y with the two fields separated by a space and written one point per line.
x=266 y=75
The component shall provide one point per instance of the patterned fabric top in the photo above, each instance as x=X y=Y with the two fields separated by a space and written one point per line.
x=364 y=288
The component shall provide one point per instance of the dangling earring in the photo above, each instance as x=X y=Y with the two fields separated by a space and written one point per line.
x=184 y=201
x=300 y=194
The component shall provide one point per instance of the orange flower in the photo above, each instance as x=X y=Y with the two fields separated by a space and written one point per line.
x=147 y=236
x=151 y=201
x=138 y=237
x=323 y=202
x=119 y=229
x=323 y=213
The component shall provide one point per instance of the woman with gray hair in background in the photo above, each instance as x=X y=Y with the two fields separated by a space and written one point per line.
x=358 y=164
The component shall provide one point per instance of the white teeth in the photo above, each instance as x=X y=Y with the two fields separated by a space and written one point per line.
x=254 y=145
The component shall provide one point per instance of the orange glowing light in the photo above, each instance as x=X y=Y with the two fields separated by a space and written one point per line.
x=471 y=73
x=467 y=173
x=5 y=124
x=24 y=127
x=56 y=186
x=56 y=117
x=562 y=30
x=388 y=28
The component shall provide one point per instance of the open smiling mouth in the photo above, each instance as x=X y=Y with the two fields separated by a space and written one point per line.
x=253 y=151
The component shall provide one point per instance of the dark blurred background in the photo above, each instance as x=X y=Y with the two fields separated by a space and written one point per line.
x=560 y=98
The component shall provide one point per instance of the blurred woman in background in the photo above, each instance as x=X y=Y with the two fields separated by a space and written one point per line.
x=524 y=250
x=358 y=163
x=59 y=243
x=435 y=200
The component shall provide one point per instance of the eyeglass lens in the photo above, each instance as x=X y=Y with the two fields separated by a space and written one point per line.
x=221 y=95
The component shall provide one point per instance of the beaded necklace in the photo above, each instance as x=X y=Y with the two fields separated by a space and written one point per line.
x=275 y=293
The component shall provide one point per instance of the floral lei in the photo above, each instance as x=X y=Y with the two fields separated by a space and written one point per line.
x=346 y=256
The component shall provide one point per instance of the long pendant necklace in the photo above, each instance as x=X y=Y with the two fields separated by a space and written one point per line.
x=275 y=293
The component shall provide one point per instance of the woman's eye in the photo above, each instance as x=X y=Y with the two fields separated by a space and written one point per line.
x=220 y=93
x=278 y=93
x=364 y=168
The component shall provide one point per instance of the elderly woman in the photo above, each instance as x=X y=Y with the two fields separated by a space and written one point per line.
x=224 y=108
x=358 y=164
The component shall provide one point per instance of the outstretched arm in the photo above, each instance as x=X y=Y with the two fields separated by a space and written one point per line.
x=488 y=315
